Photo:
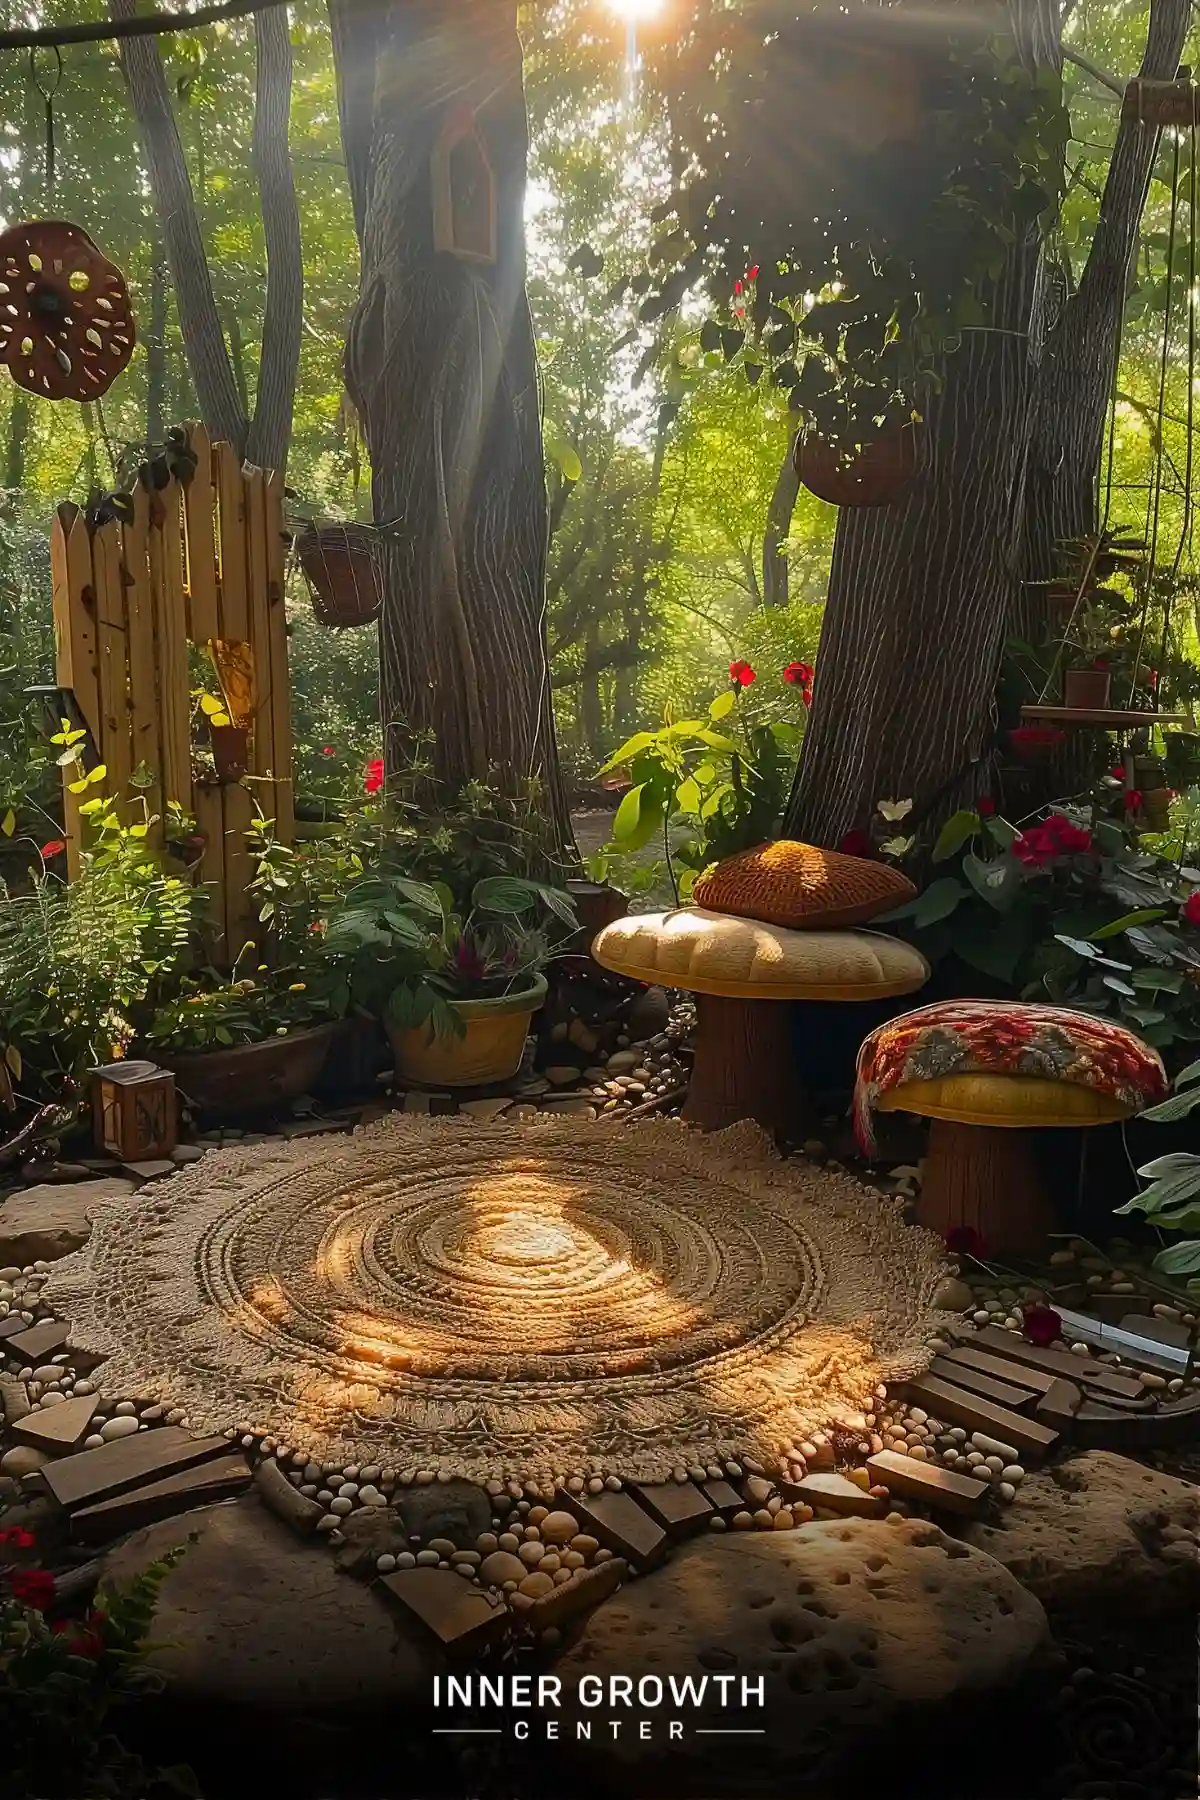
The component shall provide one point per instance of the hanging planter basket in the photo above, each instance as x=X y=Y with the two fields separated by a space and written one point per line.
x=876 y=476
x=341 y=563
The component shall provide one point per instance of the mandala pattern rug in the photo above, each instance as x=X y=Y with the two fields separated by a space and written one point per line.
x=522 y=1302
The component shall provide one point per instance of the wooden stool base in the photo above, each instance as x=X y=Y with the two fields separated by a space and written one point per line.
x=745 y=1067
x=987 y=1180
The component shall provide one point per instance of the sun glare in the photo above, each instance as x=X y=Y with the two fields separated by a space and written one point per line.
x=634 y=11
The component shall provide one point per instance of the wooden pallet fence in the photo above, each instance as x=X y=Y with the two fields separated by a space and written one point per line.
x=200 y=562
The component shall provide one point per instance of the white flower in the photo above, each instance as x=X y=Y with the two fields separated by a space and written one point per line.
x=894 y=810
x=897 y=846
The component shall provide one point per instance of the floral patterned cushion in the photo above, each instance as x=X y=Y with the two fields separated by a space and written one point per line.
x=1004 y=1037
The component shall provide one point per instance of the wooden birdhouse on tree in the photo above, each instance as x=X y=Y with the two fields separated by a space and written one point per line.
x=464 y=190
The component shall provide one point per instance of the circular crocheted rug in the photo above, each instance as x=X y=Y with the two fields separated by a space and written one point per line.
x=523 y=1302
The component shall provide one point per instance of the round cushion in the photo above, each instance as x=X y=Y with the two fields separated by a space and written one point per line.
x=712 y=953
x=802 y=887
x=1005 y=1100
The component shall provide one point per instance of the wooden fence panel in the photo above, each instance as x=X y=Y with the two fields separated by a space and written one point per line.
x=231 y=513
x=76 y=656
x=142 y=651
x=114 y=745
x=199 y=502
x=278 y=680
x=170 y=606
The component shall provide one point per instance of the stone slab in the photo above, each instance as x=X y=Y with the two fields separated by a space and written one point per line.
x=678 y=1506
x=621 y=1525
x=925 y=1481
x=946 y=1401
x=990 y=1387
x=52 y=1220
x=37 y=1342
x=836 y=1493
x=94 y=1475
x=201 y=1486
x=10 y=1326
x=58 y=1429
x=586 y=1588
x=464 y=1618
x=1059 y=1404
x=724 y=1497
x=1003 y=1368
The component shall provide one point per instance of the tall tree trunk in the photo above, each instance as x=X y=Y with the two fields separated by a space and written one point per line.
x=283 y=307
x=441 y=366
x=156 y=350
x=779 y=524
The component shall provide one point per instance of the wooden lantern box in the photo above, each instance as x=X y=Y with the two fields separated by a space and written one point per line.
x=133 y=1110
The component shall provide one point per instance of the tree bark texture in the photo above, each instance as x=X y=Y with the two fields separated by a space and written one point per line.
x=166 y=167
x=987 y=1180
x=924 y=593
x=745 y=1067
x=283 y=309
x=440 y=363
x=156 y=351
x=779 y=524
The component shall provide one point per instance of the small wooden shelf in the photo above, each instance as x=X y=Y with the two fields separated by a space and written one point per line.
x=1104 y=717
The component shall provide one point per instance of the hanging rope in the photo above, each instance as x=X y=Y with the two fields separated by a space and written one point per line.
x=47 y=88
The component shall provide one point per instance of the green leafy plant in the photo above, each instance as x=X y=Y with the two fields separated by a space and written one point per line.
x=217 y=1015
x=1072 y=910
x=711 y=786
x=61 y=1681
x=1172 y=1200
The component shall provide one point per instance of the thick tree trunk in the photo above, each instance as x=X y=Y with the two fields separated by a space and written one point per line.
x=441 y=366
x=779 y=524
x=156 y=351
x=283 y=308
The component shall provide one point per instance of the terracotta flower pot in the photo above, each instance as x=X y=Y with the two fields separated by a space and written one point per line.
x=1087 y=690
x=342 y=567
x=489 y=1051
x=252 y=1078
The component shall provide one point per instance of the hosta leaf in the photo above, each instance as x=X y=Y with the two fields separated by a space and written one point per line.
x=1179 y=1259
x=504 y=894
x=1147 y=915
x=938 y=900
x=954 y=834
x=1177 y=1107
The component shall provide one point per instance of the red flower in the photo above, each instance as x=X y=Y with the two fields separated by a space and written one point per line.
x=1042 y=1325
x=84 y=1638
x=855 y=843
x=54 y=848
x=986 y=806
x=964 y=1240
x=737 y=287
x=1118 y=773
x=752 y=274
x=1133 y=800
x=1028 y=741
x=1191 y=907
x=32 y=1587
x=798 y=674
x=467 y=961
x=741 y=674
x=18 y=1538
x=1045 y=843
x=328 y=750
x=373 y=779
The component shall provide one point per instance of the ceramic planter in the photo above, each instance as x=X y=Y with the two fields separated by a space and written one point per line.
x=1087 y=690
x=489 y=1051
x=253 y=1078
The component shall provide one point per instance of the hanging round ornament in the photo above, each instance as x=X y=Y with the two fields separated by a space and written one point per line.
x=66 y=325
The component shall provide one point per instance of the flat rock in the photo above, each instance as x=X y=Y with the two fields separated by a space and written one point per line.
x=91 y=1476
x=1101 y=1532
x=462 y=1618
x=457 y=1510
x=254 y=1621
x=57 y=1429
x=53 y=1219
x=859 y=1628
x=201 y=1486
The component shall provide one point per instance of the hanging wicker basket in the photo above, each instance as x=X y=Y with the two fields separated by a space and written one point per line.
x=341 y=563
x=876 y=476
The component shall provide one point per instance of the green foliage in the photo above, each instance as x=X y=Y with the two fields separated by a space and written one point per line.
x=1071 y=912
x=706 y=787
x=209 y=1014
x=81 y=964
x=1172 y=1200
x=846 y=271
x=60 y=1686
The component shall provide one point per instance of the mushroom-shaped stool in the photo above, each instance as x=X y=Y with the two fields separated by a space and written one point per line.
x=740 y=970
x=987 y=1073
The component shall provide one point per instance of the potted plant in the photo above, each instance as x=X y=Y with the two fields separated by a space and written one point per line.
x=243 y=1045
x=456 y=977
x=341 y=565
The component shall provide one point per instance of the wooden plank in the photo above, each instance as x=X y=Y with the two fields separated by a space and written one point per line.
x=76 y=659
x=114 y=745
x=946 y=1401
x=678 y=1506
x=210 y=823
x=94 y=1475
x=962 y=1356
x=234 y=610
x=201 y=1486
x=976 y=1382
x=620 y=1524
x=241 y=911
x=1051 y=1362
x=724 y=1497
x=170 y=607
x=277 y=675
x=1059 y=1404
x=925 y=1481
x=262 y=741
x=145 y=740
x=200 y=537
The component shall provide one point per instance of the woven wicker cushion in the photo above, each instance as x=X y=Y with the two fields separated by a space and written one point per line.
x=711 y=953
x=1019 y=1101
x=799 y=886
